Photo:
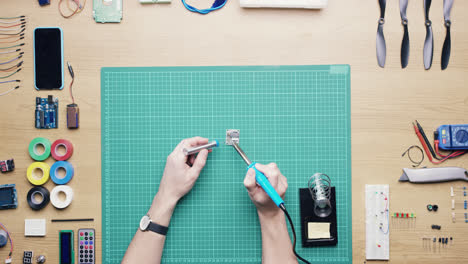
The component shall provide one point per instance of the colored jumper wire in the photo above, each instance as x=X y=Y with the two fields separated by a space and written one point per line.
x=431 y=154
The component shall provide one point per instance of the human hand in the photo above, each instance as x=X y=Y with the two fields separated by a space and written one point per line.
x=258 y=196
x=178 y=177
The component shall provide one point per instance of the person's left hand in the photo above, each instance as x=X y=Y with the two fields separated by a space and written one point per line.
x=178 y=177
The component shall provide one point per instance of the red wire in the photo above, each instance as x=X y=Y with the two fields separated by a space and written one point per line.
x=428 y=154
x=71 y=93
x=11 y=26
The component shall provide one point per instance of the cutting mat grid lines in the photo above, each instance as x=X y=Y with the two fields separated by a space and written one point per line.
x=296 y=116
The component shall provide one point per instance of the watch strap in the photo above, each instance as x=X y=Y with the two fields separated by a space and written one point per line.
x=162 y=230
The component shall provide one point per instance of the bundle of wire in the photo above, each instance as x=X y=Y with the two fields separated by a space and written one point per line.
x=11 y=33
x=8 y=259
x=77 y=9
x=218 y=4
x=434 y=157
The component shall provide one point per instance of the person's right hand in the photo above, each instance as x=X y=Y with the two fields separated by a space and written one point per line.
x=258 y=196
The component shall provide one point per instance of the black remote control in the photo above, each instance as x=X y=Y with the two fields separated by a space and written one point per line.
x=86 y=246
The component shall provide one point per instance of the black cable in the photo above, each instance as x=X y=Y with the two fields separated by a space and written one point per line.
x=416 y=163
x=294 y=234
x=429 y=145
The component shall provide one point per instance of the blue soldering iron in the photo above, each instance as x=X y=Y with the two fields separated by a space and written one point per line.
x=266 y=185
x=260 y=178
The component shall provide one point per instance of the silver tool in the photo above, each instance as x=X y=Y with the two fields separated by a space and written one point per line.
x=191 y=151
x=232 y=139
x=434 y=175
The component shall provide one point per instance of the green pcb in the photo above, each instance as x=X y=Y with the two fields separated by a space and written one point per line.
x=296 y=116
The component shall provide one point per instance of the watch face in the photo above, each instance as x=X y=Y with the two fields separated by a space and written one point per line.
x=144 y=222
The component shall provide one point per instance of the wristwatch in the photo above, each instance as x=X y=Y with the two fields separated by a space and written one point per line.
x=146 y=224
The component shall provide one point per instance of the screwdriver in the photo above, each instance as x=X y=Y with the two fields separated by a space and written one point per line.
x=260 y=178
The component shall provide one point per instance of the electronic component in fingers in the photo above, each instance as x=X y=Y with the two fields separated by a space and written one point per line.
x=86 y=246
x=453 y=137
x=8 y=197
x=73 y=116
x=7 y=165
x=46 y=112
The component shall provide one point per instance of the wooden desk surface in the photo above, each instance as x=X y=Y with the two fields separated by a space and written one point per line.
x=384 y=101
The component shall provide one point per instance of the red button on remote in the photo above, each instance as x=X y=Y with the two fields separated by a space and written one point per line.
x=81 y=234
x=86 y=247
x=90 y=247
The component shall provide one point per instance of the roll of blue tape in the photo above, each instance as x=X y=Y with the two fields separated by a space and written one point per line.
x=69 y=171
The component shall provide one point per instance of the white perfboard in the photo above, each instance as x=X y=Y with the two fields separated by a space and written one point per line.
x=377 y=222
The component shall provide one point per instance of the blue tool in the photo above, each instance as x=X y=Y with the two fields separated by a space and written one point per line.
x=260 y=177
x=453 y=137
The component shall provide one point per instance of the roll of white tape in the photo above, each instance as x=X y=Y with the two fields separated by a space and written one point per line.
x=56 y=201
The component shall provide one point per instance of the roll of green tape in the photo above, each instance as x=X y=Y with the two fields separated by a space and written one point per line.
x=33 y=148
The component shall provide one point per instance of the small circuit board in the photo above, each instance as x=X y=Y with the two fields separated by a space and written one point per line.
x=107 y=11
x=46 y=112
x=8 y=197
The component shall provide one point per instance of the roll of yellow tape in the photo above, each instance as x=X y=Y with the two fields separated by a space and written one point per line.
x=45 y=173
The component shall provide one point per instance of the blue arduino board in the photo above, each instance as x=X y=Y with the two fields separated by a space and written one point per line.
x=453 y=137
x=46 y=112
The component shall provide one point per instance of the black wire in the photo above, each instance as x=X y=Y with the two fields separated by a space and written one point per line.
x=294 y=234
x=416 y=163
x=428 y=144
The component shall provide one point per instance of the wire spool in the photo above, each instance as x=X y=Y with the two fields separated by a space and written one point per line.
x=45 y=173
x=61 y=143
x=45 y=198
x=56 y=201
x=319 y=187
x=69 y=171
x=33 y=152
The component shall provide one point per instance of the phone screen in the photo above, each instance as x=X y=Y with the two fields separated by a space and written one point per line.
x=48 y=58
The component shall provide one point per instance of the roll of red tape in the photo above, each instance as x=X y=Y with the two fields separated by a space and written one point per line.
x=68 y=149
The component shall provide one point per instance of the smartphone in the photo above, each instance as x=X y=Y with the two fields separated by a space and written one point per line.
x=48 y=58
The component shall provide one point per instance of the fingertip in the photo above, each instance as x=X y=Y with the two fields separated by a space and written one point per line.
x=249 y=180
x=261 y=167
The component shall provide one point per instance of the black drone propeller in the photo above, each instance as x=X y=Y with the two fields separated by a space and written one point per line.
x=447 y=43
x=429 y=42
x=405 y=44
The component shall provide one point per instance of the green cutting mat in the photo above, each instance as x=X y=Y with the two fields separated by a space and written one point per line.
x=296 y=116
